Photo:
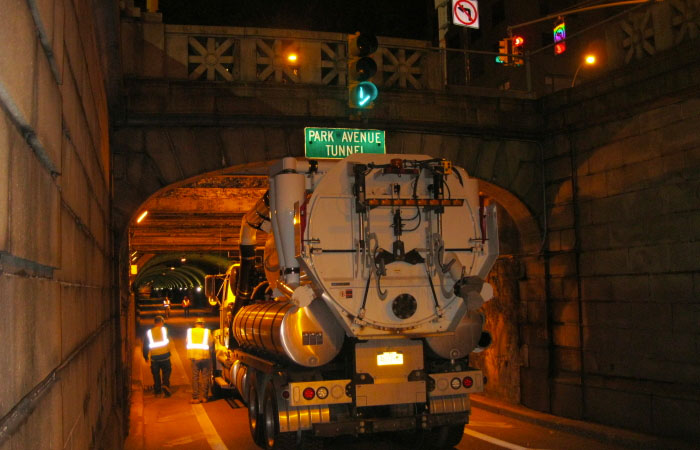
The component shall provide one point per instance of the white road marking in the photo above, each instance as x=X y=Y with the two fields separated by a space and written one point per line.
x=178 y=442
x=493 y=440
x=210 y=433
x=490 y=424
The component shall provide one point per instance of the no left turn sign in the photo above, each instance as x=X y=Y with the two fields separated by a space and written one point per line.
x=465 y=13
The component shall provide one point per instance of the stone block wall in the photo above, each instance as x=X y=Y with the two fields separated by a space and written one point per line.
x=58 y=331
x=623 y=173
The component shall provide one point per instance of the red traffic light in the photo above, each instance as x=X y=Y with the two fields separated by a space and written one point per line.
x=518 y=41
x=559 y=48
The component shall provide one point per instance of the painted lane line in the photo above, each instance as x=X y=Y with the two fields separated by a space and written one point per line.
x=493 y=440
x=489 y=424
x=210 y=433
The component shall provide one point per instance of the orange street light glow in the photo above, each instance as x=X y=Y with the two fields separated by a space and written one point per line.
x=142 y=216
x=590 y=59
x=292 y=57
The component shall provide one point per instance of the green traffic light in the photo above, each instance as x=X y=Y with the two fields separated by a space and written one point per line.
x=364 y=94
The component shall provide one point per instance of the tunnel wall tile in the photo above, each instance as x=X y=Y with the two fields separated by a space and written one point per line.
x=30 y=307
x=625 y=409
x=675 y=416
x=35 y=200
x=18 y=55
x=6 y=131
x=46 y=117
x=73 y=183
x=55 y=239
x=43 y=428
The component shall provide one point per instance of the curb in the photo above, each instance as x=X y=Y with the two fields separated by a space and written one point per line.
x=136 y=439
x=599 y=432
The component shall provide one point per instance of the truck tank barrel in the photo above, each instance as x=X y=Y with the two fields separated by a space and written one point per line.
x=307 y=336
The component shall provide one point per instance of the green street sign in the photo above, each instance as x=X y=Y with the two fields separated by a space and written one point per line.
x=337 y=143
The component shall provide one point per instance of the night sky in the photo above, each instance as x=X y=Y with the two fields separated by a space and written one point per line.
x=413 y=19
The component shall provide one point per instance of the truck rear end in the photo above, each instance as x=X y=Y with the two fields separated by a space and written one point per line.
x=369 y=308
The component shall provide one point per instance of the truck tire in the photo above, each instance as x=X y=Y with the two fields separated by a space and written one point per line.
x=254 y=416
x=448 y=436
x=439 y=438
x=273 y=439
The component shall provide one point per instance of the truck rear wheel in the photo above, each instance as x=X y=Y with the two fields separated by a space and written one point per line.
x=448 y=436
x=273 y=439
x=439 y=438
x=254 y=419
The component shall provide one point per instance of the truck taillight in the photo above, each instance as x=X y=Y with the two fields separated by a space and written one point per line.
x=456 y=383
x=467 y=382
x=285 y=395
x=322 y=392
x=309 y=393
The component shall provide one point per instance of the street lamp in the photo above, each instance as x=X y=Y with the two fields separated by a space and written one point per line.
x=589 y=60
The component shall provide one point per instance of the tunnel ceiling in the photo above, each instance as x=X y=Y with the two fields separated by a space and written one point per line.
x=201 y=216
x=175 y=270
x=191 y=229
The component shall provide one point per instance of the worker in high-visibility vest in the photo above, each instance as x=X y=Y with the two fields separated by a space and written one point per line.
x=186 y=302
x=200 y=345
x=156 y=350
x=166 y=306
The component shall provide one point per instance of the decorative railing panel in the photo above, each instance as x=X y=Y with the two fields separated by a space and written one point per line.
x=211 y=58
x=251 y=55
x=260 y=56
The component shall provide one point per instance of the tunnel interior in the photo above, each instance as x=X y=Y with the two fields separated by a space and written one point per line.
x=191 y=229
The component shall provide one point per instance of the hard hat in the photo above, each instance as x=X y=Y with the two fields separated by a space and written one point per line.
x=199 y=320
x=158 y=319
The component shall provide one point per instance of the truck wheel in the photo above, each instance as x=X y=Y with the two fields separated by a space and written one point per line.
x=439 y=438
x=273 y=439
x=447 y=436
x=254 y=419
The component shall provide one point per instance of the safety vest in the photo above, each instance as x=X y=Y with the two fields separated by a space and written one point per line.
x=166 y=303
x=158 y=341
x=198 y=343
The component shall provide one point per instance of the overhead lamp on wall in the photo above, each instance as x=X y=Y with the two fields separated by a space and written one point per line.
x=142 y=216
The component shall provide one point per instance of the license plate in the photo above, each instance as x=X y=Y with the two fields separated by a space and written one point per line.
x=390 y=359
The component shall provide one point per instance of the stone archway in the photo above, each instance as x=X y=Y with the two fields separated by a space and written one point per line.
x=516 y=316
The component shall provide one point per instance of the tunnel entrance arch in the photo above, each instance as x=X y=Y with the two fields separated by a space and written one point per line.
x=516 y=316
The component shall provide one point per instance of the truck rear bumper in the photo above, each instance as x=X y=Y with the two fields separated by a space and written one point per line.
x=383 y=424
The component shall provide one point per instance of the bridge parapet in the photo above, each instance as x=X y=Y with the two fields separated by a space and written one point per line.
x=259 y=55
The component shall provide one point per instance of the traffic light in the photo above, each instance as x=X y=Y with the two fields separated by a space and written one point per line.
x=361 y=67
x=504 y=47
x=517 y=49
x=559 y=36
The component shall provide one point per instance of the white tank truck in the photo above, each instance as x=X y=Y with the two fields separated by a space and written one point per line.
x=374 y=273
